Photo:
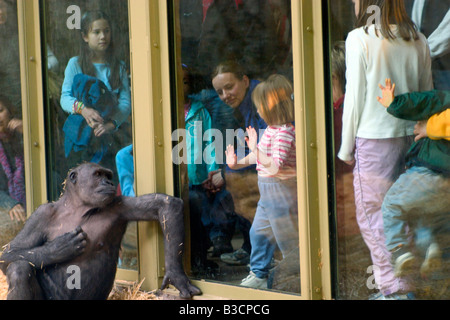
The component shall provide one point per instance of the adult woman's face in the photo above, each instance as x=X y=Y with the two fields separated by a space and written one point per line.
x=230 y=89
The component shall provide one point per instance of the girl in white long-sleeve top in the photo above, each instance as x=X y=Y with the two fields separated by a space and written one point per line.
x=373 y=140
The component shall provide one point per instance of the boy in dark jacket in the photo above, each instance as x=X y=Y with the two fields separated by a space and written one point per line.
x=422 y=193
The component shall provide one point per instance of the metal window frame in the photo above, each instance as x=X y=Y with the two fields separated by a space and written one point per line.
x=150 y=68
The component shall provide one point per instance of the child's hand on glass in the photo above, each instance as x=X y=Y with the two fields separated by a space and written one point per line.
x=252 y=139
x=231 y=157
x=387 y=93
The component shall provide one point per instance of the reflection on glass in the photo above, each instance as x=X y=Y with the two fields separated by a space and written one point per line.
x=392 y=225
x=88 y=91
x=13 y=209
x=243 y=210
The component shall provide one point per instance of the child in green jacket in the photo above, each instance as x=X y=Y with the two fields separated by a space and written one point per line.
x=422 y=194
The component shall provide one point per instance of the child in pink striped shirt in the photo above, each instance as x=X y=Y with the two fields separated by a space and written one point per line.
x=275 y=223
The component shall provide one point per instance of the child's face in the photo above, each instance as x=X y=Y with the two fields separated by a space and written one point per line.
x=5 y=117
x=230 y=89
x=99 y=36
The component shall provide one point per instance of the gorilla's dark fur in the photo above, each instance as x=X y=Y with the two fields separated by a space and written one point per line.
x=84 y=228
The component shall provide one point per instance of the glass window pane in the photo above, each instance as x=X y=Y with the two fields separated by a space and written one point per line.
x=243 y=216
x=13 y=206
x=392 y=193
x=88 y=96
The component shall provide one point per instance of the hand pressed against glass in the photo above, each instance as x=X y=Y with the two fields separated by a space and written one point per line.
x=231 y=158
x=252 y=139
x=387 y=93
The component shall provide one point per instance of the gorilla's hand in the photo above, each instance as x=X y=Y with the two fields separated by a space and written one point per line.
x=67 y=246
x=180 y=281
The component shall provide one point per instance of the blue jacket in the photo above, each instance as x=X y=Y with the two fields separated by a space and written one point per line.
x=125 y=170
x=247 y=115
x=93 y=93
x=222 y=118
x=103 y=71
x=249 y=112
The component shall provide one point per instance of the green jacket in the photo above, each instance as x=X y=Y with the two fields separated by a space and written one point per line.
x=200 y=144
x=415 y=106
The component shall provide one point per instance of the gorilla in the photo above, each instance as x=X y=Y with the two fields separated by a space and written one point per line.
x=83 y=230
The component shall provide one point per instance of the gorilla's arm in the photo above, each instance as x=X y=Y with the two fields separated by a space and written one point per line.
x=168 y=211
x=31 y=243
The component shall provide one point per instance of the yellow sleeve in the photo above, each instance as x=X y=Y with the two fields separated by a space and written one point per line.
x=438 y=126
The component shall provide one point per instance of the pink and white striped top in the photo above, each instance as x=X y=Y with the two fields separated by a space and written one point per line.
x=278 y=142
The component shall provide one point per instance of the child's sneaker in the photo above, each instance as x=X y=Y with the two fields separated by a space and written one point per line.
x=404 y=264
x=400 y=296
x=376 y=296
x=433 y=260
x=252 y=281
x=393 y=296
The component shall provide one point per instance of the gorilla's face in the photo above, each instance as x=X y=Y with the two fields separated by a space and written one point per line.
x=93 y=184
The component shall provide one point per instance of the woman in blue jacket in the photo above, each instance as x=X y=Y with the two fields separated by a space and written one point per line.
x=235 y=89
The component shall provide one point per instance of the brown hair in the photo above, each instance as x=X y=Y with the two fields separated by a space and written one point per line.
x=391 y=12
x=229 y=66
x=274 y=100
x=86 y=55
x=7 y=104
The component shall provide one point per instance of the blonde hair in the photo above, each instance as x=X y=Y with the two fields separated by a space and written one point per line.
x=274 y=100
